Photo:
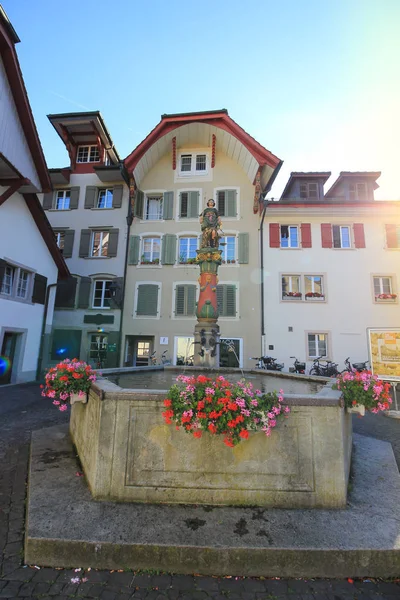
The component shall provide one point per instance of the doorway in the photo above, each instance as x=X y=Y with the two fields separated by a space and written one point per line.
x=7 y=356
x=138 y=350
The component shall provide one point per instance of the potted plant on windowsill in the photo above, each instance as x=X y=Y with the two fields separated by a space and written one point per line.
x=363 y=391
x=314 y=296
x=291 y=295
x=384 y=297
x=68 y=380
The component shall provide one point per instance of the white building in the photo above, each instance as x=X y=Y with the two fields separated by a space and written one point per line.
x=30 y=261
x=331 y=268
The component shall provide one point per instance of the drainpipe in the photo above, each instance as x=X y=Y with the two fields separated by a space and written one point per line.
x=265 y=192
x=46 y=308
x=129 y=220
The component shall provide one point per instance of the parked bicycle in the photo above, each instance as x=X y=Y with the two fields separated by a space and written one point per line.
x=358 y=366
x=298 y=367
x=165 y=360
x=329 y=369
x=268 y=362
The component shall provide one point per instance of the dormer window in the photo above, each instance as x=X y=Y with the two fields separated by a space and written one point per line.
x=309 y=190
x=88 y=154
x=193 y=164
x=358 y=191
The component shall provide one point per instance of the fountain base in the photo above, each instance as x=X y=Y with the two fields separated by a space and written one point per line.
x=206 y=343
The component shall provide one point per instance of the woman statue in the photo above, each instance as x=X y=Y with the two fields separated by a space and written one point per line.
x=210 y=222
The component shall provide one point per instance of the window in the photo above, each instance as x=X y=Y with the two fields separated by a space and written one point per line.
x=192 y=164
x=101 y=294
x=392 y=236
x=98 y=348
x=317 y=345
x=63 y=199
x=187 y=250
x=99 y=245
x=88 y=154
x=151 y=250
x=291 y=287
x=226 y=298
x=105 y=198
x=8 y=280
x=154 y=208
x=147 y=299
x=185 y=300
x=358 y=191
x=60 y=239
x=309 y=190
x=341 y=236
x=289 y=236
x=189 y=205
x=228 y=246
x=230 y=352
x=227 y=203
x=22 y=285
x=383 y=288
x=313 y=287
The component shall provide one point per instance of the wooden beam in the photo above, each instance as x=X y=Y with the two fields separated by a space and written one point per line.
x=12 y=189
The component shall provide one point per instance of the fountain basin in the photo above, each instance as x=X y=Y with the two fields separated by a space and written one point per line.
x=129 y=454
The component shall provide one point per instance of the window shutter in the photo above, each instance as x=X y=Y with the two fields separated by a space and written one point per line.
x=185 y=300
x=85 y=285
x=48 y=200
x=84 y=246
x=221 y=203
x=90 y=196
x=226 y=298
x=243 y=248
x=274 y=235
x=147 y=300
x=138 y=205
x=113 y=243
x=306 y=235
x=168 y=249
x=180 y=300
x=39 y=289
x=116 y=297
x=117 y=196
x=65 y=295
x=112 y=340
x=69 y=235
x=326 y=235
x=168 y=205
x=230 y=203
x=193 y=202
x=191 y=300
x=3 y=265
x=359 y=236
x=391 y=236
x=134 y=245
x=74 y=197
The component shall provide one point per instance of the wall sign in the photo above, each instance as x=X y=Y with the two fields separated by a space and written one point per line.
x=384 y=353
x=163 y=341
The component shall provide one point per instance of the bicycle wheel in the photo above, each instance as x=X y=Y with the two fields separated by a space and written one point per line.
x=314 y=371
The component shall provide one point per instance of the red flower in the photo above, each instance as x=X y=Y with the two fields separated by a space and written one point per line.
x=202 y=379
x=244 y=434
x=76 y=376
x=200 y=405
x=228 y=442
x=64 y=378
x=209 y=399
x=201 y=415
x=168 y=414
x=232 y=406
x=197 y=434
x=212 y=428
x=167 y=402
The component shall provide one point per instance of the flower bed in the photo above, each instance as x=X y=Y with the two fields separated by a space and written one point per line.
x=363 y=389
x=386 y=297
x=200 y=404
x=66 y=379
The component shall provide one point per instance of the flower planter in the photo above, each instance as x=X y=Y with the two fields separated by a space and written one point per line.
x=291 y=298
x=357 y=409
x=315 y=298
x=78 y=398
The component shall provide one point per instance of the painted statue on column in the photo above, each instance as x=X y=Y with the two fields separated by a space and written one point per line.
x=210 y=222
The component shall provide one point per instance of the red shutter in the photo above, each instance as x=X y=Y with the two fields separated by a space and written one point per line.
x=274 y=235
x=359 y=237
x=306 y=235
x=391 y=237
x=326 y=235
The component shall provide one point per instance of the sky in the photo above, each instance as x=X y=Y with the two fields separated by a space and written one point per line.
x=317 y=82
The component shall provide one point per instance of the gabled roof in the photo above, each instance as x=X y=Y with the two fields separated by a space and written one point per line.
x=324 y=175
x=8 y=39
x=353 y=175
x=215 y=118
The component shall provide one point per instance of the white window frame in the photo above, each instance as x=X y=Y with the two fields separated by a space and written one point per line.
x=190 y=347
x=354 y=193
x=105 y=191
x=225 y=248
x=152 y=195
x=10 y=284
x=174 y=286
x=291 y=298
x=101 y=348
x=135 y=299
x=66 y=196
x=240 y=340
x=215 y=196
x=308 y=184
x=147 y=236
x=103 y=233
x=317 y=333
x=341 y=226
x=323 y=292
x=393 y=288
x=60 y=236
x=237 y=285
x=193 y=170
x=289 y=247
x=17 y=270
x=89 y=147
x=103 y=292
x=184 y=235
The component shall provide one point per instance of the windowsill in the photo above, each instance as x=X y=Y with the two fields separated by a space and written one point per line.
x=107 y=308
x=343 y=248
x=289 y=248
x=148 y=266
x=57 y=210
x=96 y=257
x=189 y=219
x=235 y=264
x=187 y=174
x=152 y=220
x=322 y=299
x=183 y=317
x=105 y=208
x=16 y=299
x=152 y=317
x=390 y=249
x=386 y=301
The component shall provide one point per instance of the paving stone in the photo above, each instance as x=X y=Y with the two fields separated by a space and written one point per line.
x=105 y=595
x=55 y=589
x=121 y=579
x=99 y=576
x=95 y=590
x=26 y=589
x=45 y=574
x=10 y=590
x=207 y=584
x=145 y=581
x=13 y=549
x=42 y=588
x=20 y=574
x=11 y=564
x=195 y=595
x=253 y=585
x=231 y=585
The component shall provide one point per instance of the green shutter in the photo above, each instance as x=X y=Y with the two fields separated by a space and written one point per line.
x=117 y=196
x=84 y=246
x=230 y=203
x=90 y=196
x=113 y=243
x=168 y=205
x=138 y=204
x=191 y=300
x=185 y=300
x=168 y=249
x=69 y=235
x=85 y=285
x=193 y=205
x=74 y=197
x=180 y=300
x=243 y=248
x=39 y=289
x=113 y=341
x=147 y=300
x=226 y=298
x=65 y=294
x=48 y=200
x=134 y=245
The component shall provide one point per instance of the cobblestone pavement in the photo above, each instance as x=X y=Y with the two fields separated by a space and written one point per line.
x=22 y=410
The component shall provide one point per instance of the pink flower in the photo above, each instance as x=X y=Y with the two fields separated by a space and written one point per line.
x=63 y=407
x=286 y=409
x=210 y=391
x=254 y=402
x=56 y=402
